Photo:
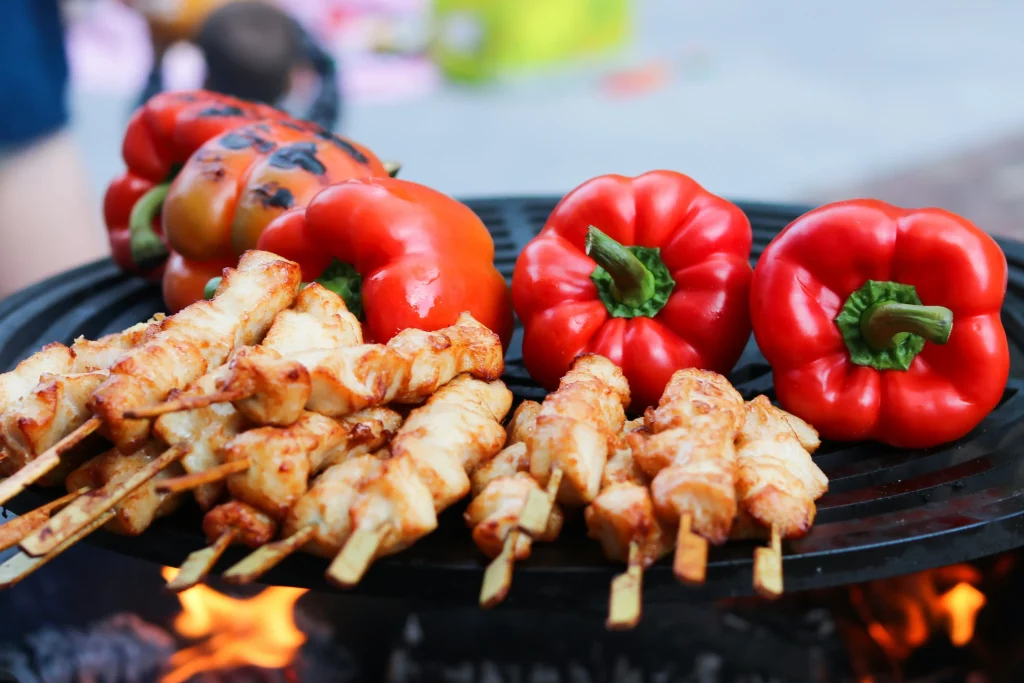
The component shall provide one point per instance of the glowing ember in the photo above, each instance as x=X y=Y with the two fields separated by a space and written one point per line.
x=258 y=631
x=960 y=606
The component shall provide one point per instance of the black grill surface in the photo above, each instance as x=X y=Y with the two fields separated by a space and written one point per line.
x=887 y=512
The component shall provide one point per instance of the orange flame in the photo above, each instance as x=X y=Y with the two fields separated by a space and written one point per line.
x=960 y=607
x=257 y=631
x=903 y=613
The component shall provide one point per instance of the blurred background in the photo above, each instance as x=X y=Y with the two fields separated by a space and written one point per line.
x=917 y=102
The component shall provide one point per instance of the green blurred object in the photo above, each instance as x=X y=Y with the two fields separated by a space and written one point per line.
x=475 y=40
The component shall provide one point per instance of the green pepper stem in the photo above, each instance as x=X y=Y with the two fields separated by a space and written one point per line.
x=881 y=322
x=211 y=287
x=146 y=246
x=634 y=283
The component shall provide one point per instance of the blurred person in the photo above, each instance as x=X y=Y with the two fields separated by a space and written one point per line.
x=48 y=219
x=252 y=49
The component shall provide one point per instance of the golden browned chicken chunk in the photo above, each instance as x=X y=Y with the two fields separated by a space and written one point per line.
x=689 y=450
x=777 y=481
x=577 y=426
x=193 y=341
x=136 y=511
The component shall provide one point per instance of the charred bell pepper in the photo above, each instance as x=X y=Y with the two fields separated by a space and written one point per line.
x=883 y=323
x=401 y=254
x=238 y=182
x=160 y=137
x=652 y=272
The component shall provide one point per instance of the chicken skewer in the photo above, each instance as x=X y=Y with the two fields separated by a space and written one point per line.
x=689 y=450
x=777 y=484
x=623 y=520
x=197 y=338
x=500 y=488
x=272 y=388
x=283 y=460
x=182 y=348
x=317 y=317
x=458 y=428
x=82 y=356
x=321 y=514
x=37 y=413
x=577 y=427
x=108 y=474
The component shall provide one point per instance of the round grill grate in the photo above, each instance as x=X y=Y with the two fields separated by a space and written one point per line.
x=887 y=512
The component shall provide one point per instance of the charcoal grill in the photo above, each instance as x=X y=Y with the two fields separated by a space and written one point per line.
x=888 y=512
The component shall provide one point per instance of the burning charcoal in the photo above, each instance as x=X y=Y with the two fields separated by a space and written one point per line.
x=120 y=649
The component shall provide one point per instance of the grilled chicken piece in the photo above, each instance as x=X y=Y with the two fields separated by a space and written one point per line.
x=205 y=430
x=54 y=408
x=512 y=458
x=100 y=354
x=500 y=488
x=328 y=503
x=276 y=386
x=690 y=451
x=623 y=512
x=577 y=426
x=282 y=460
x=338 y=380
x=39 y=415
x=494 y=514
x=52 y=359
x=364 y=432
x=777 y=481
x=138 y=509
x=458 y=428
x=193 y=341
x=250 y=526
x=433 y=359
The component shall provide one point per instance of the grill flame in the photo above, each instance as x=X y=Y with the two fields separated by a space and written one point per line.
x=257 y=631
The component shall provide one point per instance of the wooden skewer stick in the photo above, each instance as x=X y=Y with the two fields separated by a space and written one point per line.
x=537 y=509
x=498 y=576
x=691 y=560
x=768 y=568
x=624 y=605
x=392 y=167
x=351 y=563
x=184 y=403
x=81 y=512
x=21 y=565
x=187 y=482
x=199 y=563
x=45 y=461
x=266 y=557
x=18 y=528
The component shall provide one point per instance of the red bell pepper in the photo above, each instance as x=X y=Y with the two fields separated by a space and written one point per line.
x=883 y=323
x=676 y=296
x=122 y=197
x=401 y=254
x=160 y=137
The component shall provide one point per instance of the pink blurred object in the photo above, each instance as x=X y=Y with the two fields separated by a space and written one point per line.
x=638 y=81
x=379 y=45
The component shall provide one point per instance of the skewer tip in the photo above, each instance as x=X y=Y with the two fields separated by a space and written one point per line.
x=768 y=568
x=691 y=559
x=498 y=575
x=348 y=567
x=624 y=603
